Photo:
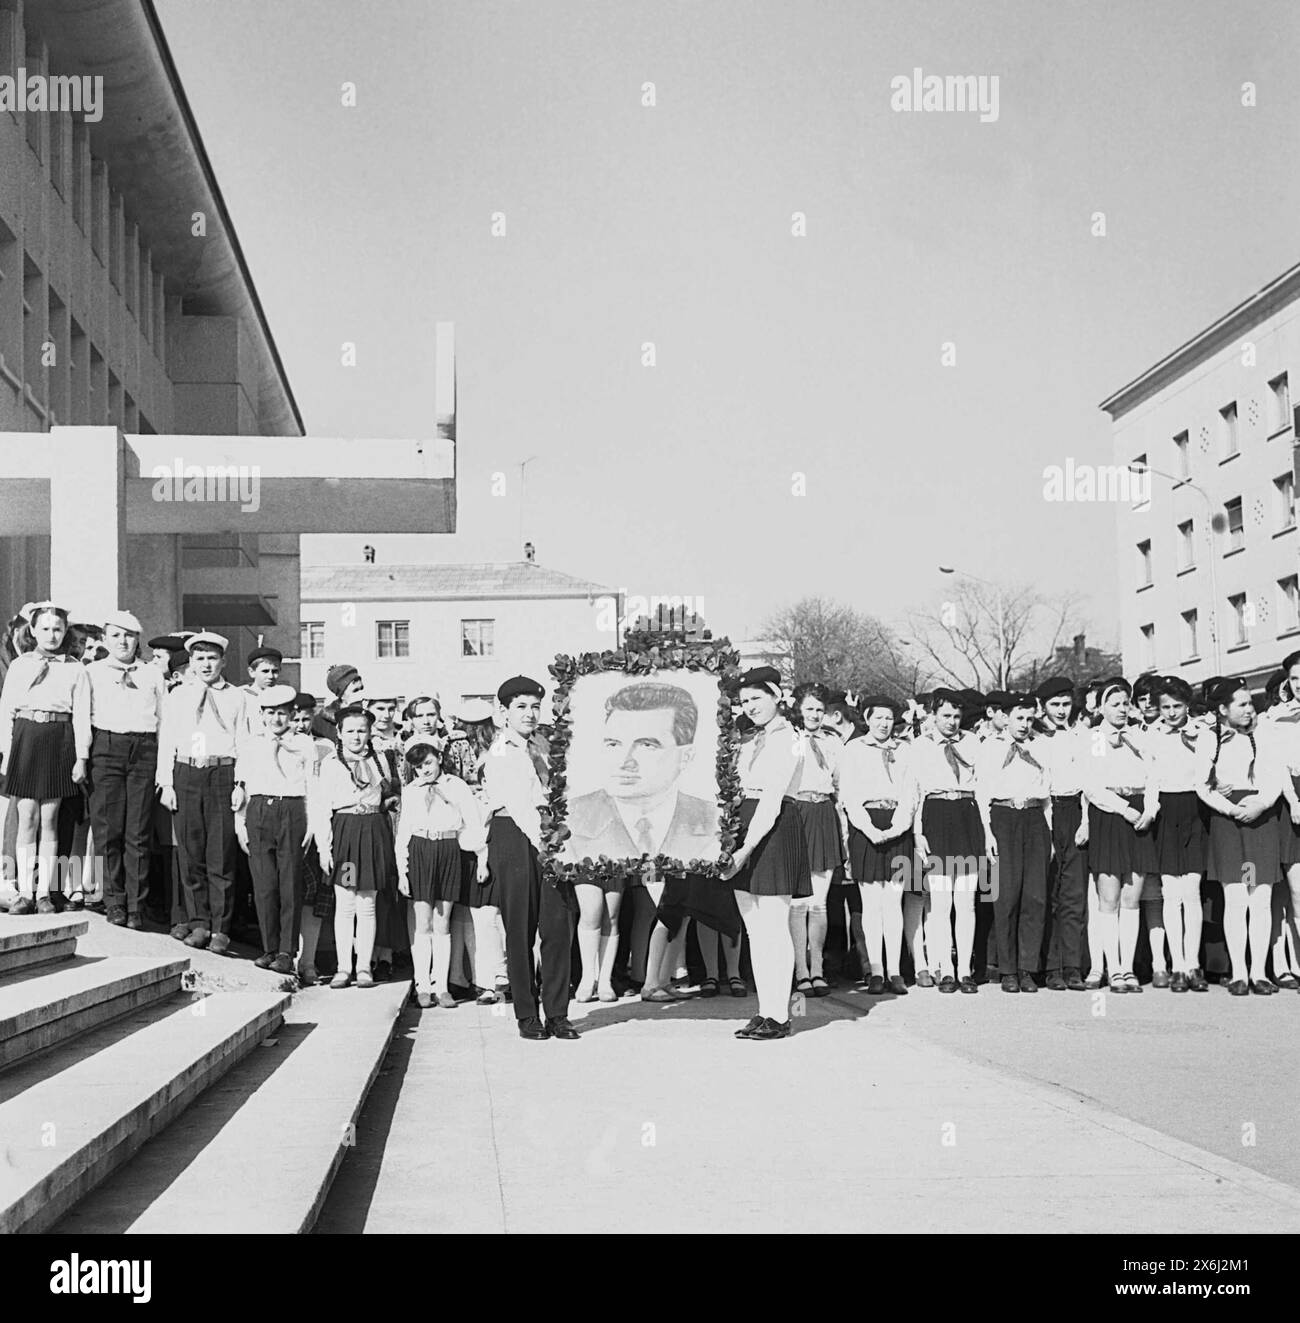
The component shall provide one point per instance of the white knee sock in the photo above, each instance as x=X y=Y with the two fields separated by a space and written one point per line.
x=1128 y=938
x=817 y=926
x=892 y=909
x=1234 y=927
x=589 y=949
x=767 y=920
x=1259 y=921
x=1096 y=934
x=365 y=930
x=489 y=950
x=463 y=953
x=1172 y=913
x=1154 y=911
x=440 y=959
x=422 y=959
x=938 y=928
x=1107 y=943
x=345 y=916
x=914 y=928
x=873 y=923
x=799 y=936
x=965 y=904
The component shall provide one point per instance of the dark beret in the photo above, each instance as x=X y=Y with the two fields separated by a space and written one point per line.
x=353 y=710
x=1054 y=688
x=873 y=701
x=516 y=685
x=259 y=654
x=760 y=677
x=997 y=698
x=168 y=643
x=1225 y=689
x=305 y=702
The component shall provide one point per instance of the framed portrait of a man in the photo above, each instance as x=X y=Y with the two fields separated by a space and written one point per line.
x=647 y=756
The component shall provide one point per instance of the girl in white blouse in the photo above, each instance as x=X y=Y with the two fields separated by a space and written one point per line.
x=1239 y=776
x=1123 y=802
x=44 y=745
x=440 y=817
x=770 y=865
x=1283 y=729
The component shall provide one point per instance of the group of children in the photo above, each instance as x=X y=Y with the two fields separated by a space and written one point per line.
x=1073 y=815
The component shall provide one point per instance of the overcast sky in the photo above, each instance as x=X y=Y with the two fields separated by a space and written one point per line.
x=776 y=355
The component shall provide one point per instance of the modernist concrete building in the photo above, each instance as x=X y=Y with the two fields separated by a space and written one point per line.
x=126 y=307
x=457 y=630
x=1208 y=565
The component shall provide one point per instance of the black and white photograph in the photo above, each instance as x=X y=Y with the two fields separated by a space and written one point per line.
x=673 y=618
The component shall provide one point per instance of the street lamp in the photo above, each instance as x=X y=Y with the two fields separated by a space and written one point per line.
x=523 y=488
x=1209 y=539
x=1002 y=627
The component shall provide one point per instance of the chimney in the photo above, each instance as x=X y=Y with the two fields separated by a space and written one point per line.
x=1080 y=649
x=368 y=553
x=529 y=552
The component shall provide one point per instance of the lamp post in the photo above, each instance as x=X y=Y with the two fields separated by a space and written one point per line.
x=523 y=489
x=1209 y=542
x=1002 y=626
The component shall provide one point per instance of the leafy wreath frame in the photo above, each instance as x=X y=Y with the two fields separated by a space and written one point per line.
x=642 y=655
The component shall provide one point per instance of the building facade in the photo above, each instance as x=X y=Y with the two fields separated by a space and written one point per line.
x=1208 y=548
x=456 y=631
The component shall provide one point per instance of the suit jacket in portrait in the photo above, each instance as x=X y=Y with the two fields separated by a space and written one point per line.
x=596 y=828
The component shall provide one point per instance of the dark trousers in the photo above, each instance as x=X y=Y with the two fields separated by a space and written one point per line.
x=122 y=772
x=529 y=906
x=276 y=827
x=205 y=837
x=1020 y=906
x=1067 y=887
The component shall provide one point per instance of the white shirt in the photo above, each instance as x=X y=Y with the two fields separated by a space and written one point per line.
x=822 y=777
x=771 y=760
x=135 y=710
x=335 y=787
x=1003 y=770
x=65 y=687
x=447 y=805
x=1105 y=768
x=1233 y=769
x=866 y=775
x=1172 y=754
x=933 y=772
x=1061 y=749
x=512 y=784
x=258 y=769
x=220 y=733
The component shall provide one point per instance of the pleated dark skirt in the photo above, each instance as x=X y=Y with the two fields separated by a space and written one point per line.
x=879 y=863
x=707 y=900
x=40 y=760
x=955 y=835
x=779 y=866
x=435 y=871
x=363 y=852
x=1288 y=833
x=1245 y=852
x=821 y=830
x=1180 y=833
x=1114 y=848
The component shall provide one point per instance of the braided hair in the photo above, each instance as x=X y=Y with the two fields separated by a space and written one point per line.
x=1221 y=696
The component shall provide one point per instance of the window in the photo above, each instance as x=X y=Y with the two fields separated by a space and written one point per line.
x=1182 y=456
x=1237 y=605
x=1148 y=647
x=1189 y=635
x=1228 y=429
x=1186 y=545
x=393 y=638
x=1280 y=404
x=1139 y=480
x=1144 y=564
x=478 y=638
x=311 y=645
x=1284 y=502
x=1288 y=603
x=1235 y=532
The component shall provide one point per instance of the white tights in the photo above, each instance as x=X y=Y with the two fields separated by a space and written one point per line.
x=771 y=952
x=1247 y=913
x=1183 y=921
x=947 y=895
x=354 y=907
x=882 y=917
x=489 y=946
x=808 y=927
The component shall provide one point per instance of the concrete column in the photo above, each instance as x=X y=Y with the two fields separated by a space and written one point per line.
x=87 y=519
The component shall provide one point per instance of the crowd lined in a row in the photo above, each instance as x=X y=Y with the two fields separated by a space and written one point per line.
x=1074 y=816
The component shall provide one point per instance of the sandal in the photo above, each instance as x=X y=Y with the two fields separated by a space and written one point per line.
x=1092 y=982
x=805 y=985
x=820 y=987
x=77 y=900
x=738 y=986
x=1288 y=981
x=1131 y=982
x=1117 y=983
x=709 y=987
x=661 y=995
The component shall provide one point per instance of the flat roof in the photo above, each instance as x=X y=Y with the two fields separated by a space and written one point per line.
x=467 y=582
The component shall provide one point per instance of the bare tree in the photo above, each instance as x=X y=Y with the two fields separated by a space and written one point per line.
x=818 y=639
x=984 y=633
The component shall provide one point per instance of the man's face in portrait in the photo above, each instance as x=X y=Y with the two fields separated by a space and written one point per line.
x=642 y=760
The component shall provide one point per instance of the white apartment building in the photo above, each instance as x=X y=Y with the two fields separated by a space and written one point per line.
x=1208 y=564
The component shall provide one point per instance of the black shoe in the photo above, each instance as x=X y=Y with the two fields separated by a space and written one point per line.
x=382 y=970
x=1239 y=988
x=560 y=1028
x=897 y=986
x=1010 y=983
x=533 y=1028
x=1074 y=981
x=1196 y=981
x=1056 y=982
x=1262 y=987
x=875 y=985
x=23 y=905
x=748 y=1030
x=117 y=917
x=135 y=923
x=282 y=964
x=969 y=985
x=265 y=960
x=1027 y=983
x=1177 y=982
x=947 y=983
x=770 y=1028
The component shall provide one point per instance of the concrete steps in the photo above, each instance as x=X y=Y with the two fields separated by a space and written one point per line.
x=258 y=1152
x=42 y=1006
x=29 y=942
x=70 y=1116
